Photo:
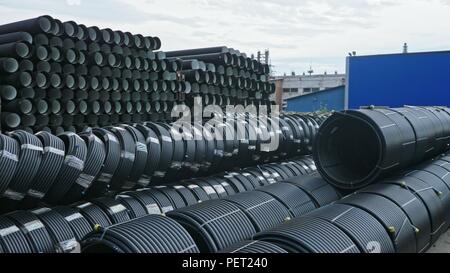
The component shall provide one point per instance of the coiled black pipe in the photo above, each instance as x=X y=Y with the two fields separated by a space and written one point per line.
x=58 y=228
x=134 y=207
x=96 y=154
x=151 y=234
x=9 y=149
x=153 y=155
x=30 y=157
x=309 y=235
x=368 y=234
x=140 y=160
x=34 y=230
x=116 y=212
x=296 y=200
x=52 y=160
x=174 y=197
x=319 y=191
x=263 y=210
x=356 y=147
x=253 y=247
x=94 y=214
x=149 y=203
x=214 y=229
x=12 y=239
x=77 y=222
x=127 y=157
x=413 y=207
x=73 y=166
x=110 y=164
x=395 y=221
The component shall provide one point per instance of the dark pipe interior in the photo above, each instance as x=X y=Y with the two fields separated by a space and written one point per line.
x=349 y=149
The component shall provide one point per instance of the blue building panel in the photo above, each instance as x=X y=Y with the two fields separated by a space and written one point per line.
x=330 y=99
x=399 y=79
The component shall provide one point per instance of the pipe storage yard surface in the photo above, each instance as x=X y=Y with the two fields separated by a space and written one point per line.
x=91 y=159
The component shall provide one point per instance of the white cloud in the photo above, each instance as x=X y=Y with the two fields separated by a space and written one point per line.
x=297 y=32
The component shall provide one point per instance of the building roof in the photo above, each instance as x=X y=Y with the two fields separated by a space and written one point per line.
x=314 y=93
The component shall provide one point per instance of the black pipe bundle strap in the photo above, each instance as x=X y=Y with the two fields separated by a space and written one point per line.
x=153 y=155
x=368 y=234
x=12 y=240
x=278 y=172
x=135 y=209
x=166 y=149
x=116 y=212
x=151 y=234
x=319 y=190
x=296 y=200
x=411 y=205
x=391 y=216
x=263 y=210
x=253 y=247
x=140 y=160
x=34 y=230
x=77 y=222
x=269 y=171
x=127 y=157
x=52 y=161
x=237 y=179
x=214 y=230
x=174 y=197
x=63 y=238
x=9 y=151
x=30 y=157
x=206 y=187
x=147 y=201
x=430 y=198
x=164 y=203
x=198 y=191
x=110 y=164
x=96 y=155
x=74 y=161
x=309 y=235
x=259 y=176
x=94 y=214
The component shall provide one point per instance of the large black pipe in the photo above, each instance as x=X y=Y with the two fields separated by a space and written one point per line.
x=357 y=147
x=41 y=24
x=197 y=51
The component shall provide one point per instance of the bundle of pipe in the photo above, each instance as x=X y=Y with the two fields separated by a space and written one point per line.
x=406 y=214
x=223 y=76
x=59 y=77
x=357 y=147
x=61 y=228
x=69 y=167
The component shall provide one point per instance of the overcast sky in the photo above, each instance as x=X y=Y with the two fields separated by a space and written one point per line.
x=299 y=33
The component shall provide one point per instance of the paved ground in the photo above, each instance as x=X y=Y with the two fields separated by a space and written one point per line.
x=442 y=245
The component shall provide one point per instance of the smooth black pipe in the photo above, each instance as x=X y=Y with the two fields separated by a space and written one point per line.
x=197 y=51
x=8 y=92
x=10 y=120
x=16 y=37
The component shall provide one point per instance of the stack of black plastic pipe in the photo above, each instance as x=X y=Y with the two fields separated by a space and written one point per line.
x=224 y=76
x=61 y=228
x=59 y=77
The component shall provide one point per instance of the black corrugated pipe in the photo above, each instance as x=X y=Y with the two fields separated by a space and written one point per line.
x=355 y=148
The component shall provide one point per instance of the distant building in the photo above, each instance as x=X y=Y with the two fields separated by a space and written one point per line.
x=298 y=85
x=324 y=100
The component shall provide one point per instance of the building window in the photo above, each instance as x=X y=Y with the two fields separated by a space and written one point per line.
x=286 y=90
x=294 y=90
x=315 y=89
x=306 y=90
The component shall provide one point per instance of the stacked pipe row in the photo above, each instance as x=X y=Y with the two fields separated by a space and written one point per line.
x=357 y=147
x=59 y=77
x=68 y=167
x=403 y=215
x=224 y=76
x=217 y=224
x=59 y=229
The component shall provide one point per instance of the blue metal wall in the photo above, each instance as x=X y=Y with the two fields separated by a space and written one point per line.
x=330 y=99
x=399 y=79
